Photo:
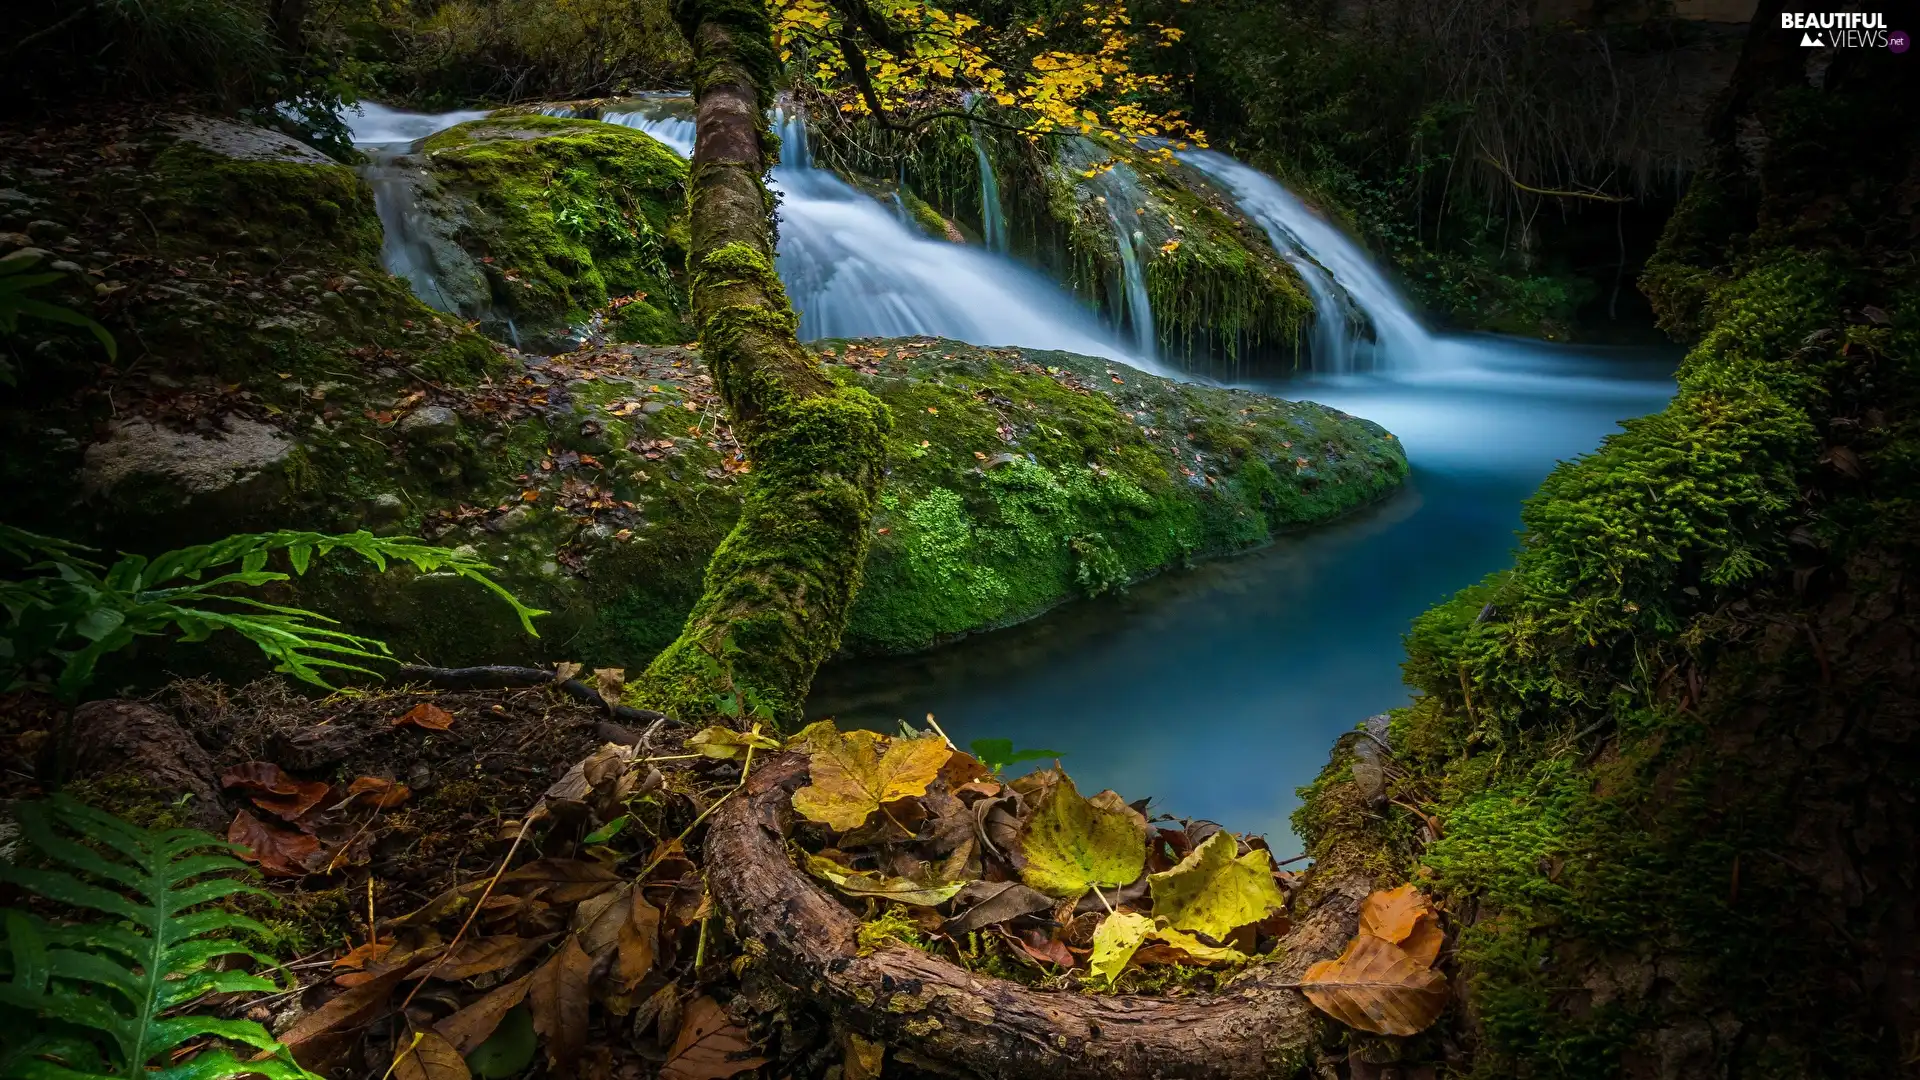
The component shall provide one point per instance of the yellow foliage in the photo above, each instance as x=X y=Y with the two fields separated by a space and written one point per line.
x=1093 y=87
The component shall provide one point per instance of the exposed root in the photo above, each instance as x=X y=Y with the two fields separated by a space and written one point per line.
x=939 y=1011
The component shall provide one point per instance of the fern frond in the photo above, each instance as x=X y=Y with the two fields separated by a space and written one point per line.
x=80 y=612
x=105 y=996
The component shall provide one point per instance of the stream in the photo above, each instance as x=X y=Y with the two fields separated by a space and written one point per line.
x=1217 y=690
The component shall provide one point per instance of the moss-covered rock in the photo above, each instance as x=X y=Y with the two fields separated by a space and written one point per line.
x=239 y=271
x=1216 y=286
x=1018 y=480
x=565 y=216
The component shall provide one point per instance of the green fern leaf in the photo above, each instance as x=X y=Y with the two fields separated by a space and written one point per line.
x=108 y=999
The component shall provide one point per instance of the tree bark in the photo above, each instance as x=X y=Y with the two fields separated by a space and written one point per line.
x=780 y=586
x=1260 y=1026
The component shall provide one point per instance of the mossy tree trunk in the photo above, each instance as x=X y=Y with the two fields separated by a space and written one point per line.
x=780 y=586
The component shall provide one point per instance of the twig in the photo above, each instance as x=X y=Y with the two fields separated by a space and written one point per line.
x=471 y=915
x=935 y=724
x=1596 y=196
x=746 y=770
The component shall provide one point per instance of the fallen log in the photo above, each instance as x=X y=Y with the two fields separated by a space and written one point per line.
x=1259 y=1026
x=506 y=677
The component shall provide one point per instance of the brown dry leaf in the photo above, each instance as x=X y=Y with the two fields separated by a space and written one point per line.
x=320 y=1034
x=559 y=999
x=669 y=861
x=608 y=681
x=378 y=791
x=477 y=956
x=564 y=670
x=995 y=902
x=962 y=769
x=596 y=922
x=1404 y=917
x=1046 y=948
x=475 y=1023
x=426 y=715
x=1375 y=986
x=561 y=881
x=273 y=790
x=277 y=852
x=852 y=777
x=638 y=942
x=710 y=1046
x=472 y=1025
x=362 y=955
x=431 y=1058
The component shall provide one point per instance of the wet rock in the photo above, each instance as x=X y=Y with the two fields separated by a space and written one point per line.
x=433 y=425
x=244 y=142
x=516 y=519
x=385 y=508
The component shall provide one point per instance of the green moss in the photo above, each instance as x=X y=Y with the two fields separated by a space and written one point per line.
x=132 y=798
x=568 y=214
x=1021 y=480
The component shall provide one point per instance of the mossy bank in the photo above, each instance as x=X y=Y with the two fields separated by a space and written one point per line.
x=601 y=482
x=1675 y=740
x=318 y=392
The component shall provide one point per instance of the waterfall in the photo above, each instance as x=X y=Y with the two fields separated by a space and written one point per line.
x=1133 y=282
x=415 y=245
x=854 y=269
x=993 y=221
x=1339 y=274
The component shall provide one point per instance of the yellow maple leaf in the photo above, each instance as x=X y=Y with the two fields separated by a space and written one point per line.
x=852 y=776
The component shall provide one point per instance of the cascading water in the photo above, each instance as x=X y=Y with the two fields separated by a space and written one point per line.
x=1339 y=274
x=854 y=269
x=993 y=221
x=413 y=243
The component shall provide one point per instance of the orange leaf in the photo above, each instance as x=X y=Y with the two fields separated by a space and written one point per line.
x=1375 y=986
x=362 y=955
x=324 y=1031
x=710 y=1046
x=1404 y=917
x=426 y=715
x=380 y=792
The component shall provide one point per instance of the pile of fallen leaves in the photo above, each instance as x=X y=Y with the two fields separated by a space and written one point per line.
x=1029 y=879
x=586 y=944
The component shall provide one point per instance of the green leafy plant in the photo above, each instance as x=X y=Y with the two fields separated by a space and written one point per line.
x=77 y=611
x=997 y=754
x=105 y=999
x=17 y=281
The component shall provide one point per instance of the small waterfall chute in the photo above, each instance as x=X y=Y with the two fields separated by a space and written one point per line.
x=993 y=220
x=854 y=268
x=415 y=244
x=1343 y=279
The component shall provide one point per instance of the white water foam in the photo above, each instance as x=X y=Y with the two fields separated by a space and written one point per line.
x=1339 y=274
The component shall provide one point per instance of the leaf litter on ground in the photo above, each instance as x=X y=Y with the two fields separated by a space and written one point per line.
x=1027 y=878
